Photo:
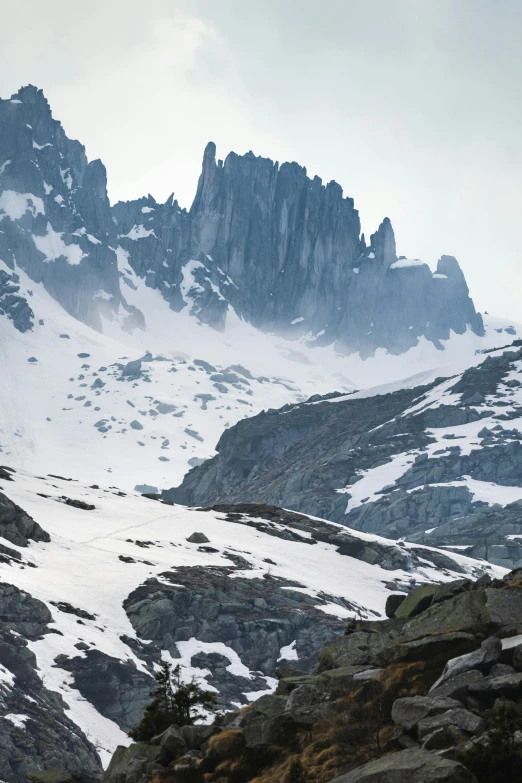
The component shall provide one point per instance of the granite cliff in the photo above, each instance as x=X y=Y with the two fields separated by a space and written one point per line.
x=282 y=250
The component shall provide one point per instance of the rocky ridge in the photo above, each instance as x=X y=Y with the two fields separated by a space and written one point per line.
x=261 y=240
x=439 y=464
x=56 y=218
x=406 y=700
x=36 y=731
x=121 y=583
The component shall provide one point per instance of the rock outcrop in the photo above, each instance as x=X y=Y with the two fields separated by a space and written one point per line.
x=284 y=251
x=432 y=687
x=439 y=464
x=36 y=733
x=56 y=218
x=17 y=526
x=287 y=254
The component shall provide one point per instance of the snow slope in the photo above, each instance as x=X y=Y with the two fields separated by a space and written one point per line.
x=82 y=565
x=67 y=407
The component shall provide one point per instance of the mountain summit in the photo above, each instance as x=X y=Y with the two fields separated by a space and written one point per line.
x=283 y=251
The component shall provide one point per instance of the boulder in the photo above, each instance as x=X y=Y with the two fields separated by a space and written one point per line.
x=430 y=647
x=443 y=737
x=132 y=368
x=196 y=736
x=463 y=719
x=417 y=601
x=482 y=659
x=16 y=526
x=336 y=681
x=393 y=602
x=261 y=721
x=499 y=669
x=198 y=538
x=505 y=685
x=356 y=649
x=517 y=658
x=408 y=711
x=451 y=589
x=457 y=687
x=305 y=696
x=22 y=613
x=409 y=766
x=135 y=764
x=173 y=743
x=474 y=611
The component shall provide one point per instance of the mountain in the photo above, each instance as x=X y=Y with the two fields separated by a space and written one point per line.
x=286 y=252
x=280 y=250
x=98 y=586
x=139 y=332
x=439 y=462
x=136 y=336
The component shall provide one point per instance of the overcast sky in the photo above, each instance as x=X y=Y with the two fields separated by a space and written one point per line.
x=413 y=106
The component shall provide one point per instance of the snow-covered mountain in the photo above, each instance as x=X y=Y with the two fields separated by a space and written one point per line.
x=224 y=326
x=282 y=251
x=132 y=337
x=98 y=585
x=431 y=460
x=71 y=400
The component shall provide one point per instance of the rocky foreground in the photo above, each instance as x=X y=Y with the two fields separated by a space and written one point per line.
x=407 y=700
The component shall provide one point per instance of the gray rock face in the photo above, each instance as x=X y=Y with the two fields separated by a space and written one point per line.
x=481 y=659
x=255 y=226
x=117 y=689
x=409 y=766
x=12 y=304
x=463 y=719
x=55 y=741
x=255 y=618
x=285 y=251
x=56 y=218
x=458 y=686
x=17 y=526
x=410 y=710
x=311 y=456
x=135 y=764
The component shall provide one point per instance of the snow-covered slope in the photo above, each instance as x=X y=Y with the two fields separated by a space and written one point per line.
x=113 y=577
x=273 y=261
x=66 y=404
x=428 y=459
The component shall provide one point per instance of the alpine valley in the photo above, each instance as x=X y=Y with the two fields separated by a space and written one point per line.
x=237 y=438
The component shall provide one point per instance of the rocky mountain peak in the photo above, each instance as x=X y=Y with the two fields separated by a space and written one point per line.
x=281 y=249
x=32 y=98
x=382 y=243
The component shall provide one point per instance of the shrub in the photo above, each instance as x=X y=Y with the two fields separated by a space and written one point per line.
x=173 y=702
x=295 y=772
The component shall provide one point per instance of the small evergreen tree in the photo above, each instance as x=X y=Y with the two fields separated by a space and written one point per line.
x=173 y=702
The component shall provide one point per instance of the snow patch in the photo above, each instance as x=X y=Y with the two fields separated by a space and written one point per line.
x=139 y=232
x=288 y=653
x=53 y=247
x=403 y=263
x=16 y=718
x=14 y=205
